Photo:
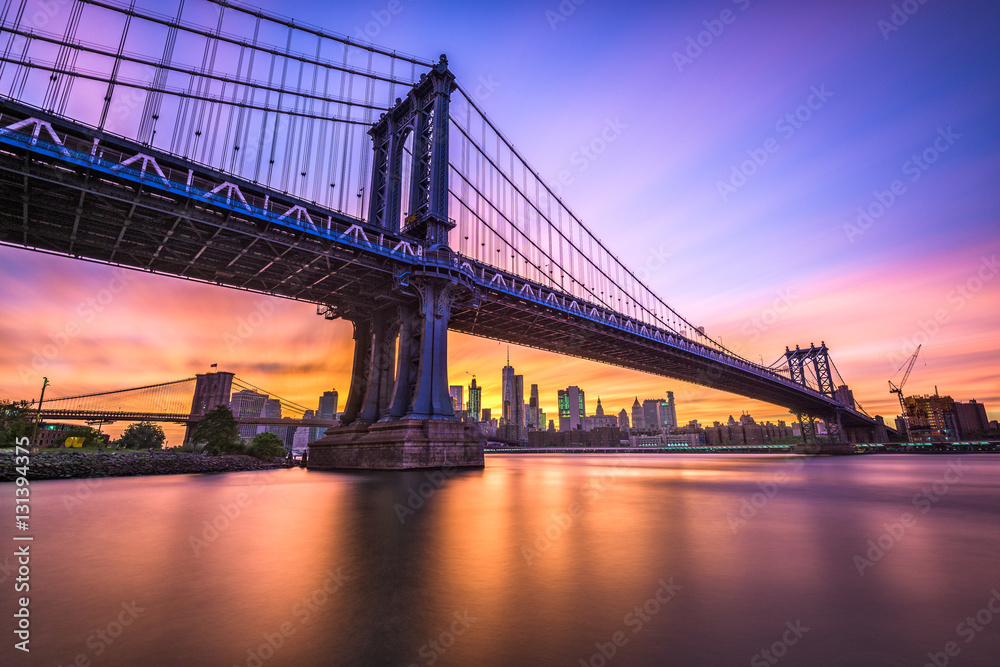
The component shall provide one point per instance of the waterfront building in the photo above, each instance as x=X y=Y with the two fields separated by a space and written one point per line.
x=475 y=400
x=931 y=418
x=845 y=396
x=456 y=391
x=638 y=419
x=971 y=417
x=572 y=408
x=533 y=421
x=248 y=403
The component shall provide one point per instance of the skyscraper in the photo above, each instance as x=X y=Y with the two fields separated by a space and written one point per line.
x=272 y=410
x=845 y=396
x=512 y=415
x=671 y=408
x=623 y=419
x=475 y=400
x=456 y=392
x=638 y=421
x=572 y=408
x=520 y=414
x=971 y=417
x=327 y=410
x=328 y=405
x=507 y=392
x=247 y=403
x=651 y=414
x=533 y=421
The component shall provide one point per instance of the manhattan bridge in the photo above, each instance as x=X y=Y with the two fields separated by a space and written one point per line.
x=230 y=146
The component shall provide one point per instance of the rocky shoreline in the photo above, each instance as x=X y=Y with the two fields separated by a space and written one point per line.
x=70 y=465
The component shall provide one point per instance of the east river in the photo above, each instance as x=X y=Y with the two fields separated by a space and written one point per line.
x=610 y=560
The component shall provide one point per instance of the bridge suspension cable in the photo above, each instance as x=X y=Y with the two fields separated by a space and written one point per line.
x=510 y=218
x=165 y=398
x=255 y=95
x=286 y=404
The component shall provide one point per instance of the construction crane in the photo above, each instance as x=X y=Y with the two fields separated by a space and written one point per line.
x=893 y=389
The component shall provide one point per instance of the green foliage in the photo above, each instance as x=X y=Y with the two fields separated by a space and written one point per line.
x=16 y=421
x=93 y=438
x=142 y=436
x=266 y=446
x=219 y=432
x=787 y=440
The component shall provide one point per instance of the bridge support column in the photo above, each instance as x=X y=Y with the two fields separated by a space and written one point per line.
x=408 y=362
x=360 y=369
x=430 y=398
x=384 y=326
x=417 y=428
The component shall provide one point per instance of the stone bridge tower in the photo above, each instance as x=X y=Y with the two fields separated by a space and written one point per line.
x=398 y=413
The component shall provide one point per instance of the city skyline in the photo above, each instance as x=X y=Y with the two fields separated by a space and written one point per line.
x=921 y=268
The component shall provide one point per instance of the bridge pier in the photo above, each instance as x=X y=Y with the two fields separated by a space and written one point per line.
x=210 y=390
x=395 y=421
x=417 y=428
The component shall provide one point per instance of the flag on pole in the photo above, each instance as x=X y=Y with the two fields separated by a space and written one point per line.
x=214 y=366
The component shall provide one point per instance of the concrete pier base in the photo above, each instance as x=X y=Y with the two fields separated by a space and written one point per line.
x=399 y=445
x=824 y=448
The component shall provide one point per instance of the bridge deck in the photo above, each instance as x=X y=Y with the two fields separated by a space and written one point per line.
x=160 y=214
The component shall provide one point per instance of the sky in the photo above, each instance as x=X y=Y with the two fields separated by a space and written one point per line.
x=783 y=173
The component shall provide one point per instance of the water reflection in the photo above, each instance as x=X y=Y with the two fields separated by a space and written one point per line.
x=532 y=561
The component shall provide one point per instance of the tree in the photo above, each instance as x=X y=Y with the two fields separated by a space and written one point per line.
x=219 y=431
x=142 y=436
x=90 y=435
x=16 y=421
x=266 y=446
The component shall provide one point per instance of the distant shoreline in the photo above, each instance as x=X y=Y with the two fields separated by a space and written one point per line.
x=75 y=465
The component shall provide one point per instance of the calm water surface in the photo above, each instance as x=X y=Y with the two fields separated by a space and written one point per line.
x=536 y=560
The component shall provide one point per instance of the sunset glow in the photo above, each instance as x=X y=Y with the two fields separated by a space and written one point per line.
x=750 y=185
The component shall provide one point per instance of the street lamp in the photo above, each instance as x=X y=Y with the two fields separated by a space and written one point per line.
x=38 y=413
